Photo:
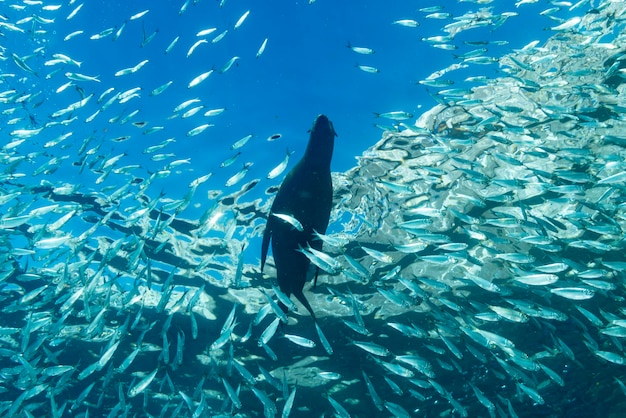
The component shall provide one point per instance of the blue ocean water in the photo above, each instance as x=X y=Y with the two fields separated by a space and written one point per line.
x=306 y=69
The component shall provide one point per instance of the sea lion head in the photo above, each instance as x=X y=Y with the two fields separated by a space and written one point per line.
x=321 y=141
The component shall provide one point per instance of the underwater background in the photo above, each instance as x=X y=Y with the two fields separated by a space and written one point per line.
x=476 y=241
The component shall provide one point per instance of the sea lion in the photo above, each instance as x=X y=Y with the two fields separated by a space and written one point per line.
x=305 y=194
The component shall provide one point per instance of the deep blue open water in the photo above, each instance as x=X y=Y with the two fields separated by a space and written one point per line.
x=306 y=69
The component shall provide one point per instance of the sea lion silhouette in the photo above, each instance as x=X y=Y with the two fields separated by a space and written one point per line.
x=306 y=194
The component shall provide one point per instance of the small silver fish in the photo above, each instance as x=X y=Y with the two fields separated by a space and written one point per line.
x=241 y=142
x=237 y=177
x=229 y=64
x=301 y=341
x=261 y=48
x=199 y=79
x=361 y=50
x=409 y=23
x=290 y=220
x=368 y=69
x=241 y=20
x=142 y=384
x=280 y=168
x=198 y=129
x=395 y=115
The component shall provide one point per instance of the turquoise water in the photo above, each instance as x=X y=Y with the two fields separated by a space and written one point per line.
x=97 y=226
x=306 y=69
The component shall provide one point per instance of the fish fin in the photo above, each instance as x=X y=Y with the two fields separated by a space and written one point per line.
x=317 y=270
x=300 y=296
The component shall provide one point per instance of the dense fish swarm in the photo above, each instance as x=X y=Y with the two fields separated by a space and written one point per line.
x=478 y=269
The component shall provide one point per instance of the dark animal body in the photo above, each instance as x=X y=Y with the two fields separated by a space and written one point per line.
x=305 y=194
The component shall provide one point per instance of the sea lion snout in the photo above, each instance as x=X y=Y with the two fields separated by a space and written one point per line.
x=323 y=126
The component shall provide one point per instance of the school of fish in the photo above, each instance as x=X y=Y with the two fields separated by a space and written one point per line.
x=474 y=263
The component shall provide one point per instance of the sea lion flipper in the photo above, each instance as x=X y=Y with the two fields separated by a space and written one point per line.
x=300 y=296
x=267 y=235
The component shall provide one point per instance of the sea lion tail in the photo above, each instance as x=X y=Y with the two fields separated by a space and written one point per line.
x=317 y=270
